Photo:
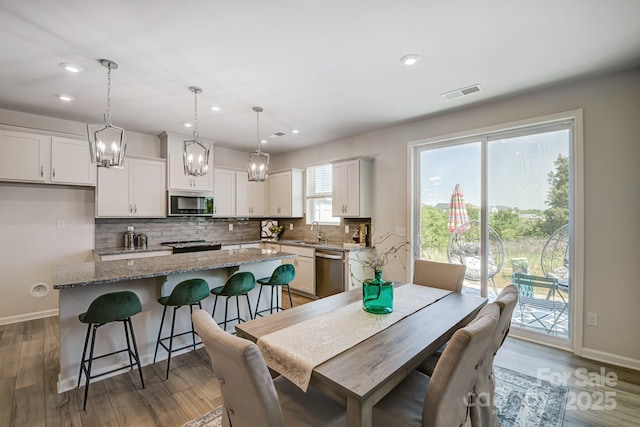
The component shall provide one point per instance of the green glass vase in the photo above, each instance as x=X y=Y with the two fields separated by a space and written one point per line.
x=377 y=295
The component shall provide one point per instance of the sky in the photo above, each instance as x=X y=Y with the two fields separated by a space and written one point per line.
x=517 y=167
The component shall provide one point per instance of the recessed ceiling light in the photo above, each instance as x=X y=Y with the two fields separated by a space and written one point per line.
x=72 y=68
x=410 y=60
x=64 y=97
x=187 y=124
x=295 y=131
x=263 y=141
x=215 y=108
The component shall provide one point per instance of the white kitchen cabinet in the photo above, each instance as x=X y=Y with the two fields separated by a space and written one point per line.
x=356 y=269
x=224 y=193
x=271 y=246
x=32 y=157
x=139 y=189
x=172 y=147
x=71 y=162
x=305 y=265
x=352 y=188
x=23 y=156
x=249 y=196
x=285 y=194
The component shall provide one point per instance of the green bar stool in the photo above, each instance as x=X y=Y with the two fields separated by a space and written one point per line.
x=281 y=276
x=107 y=308
x=188 y=292
x=239 y=283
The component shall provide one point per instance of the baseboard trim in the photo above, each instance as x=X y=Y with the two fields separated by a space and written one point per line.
x=613 y=359
x=29 y=316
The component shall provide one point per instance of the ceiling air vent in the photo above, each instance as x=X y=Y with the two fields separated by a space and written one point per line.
x=461 y=92
x=277 y=134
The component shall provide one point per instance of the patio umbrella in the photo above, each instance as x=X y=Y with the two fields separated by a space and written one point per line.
x=457 y=210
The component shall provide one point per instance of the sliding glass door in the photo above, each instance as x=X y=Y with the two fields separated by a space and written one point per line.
x=500 y=203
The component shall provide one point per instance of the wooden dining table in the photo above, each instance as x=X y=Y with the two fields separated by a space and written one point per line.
x=362 y=375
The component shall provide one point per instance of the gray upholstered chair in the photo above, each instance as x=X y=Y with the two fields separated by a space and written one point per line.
x=440 y=275
x=251 y=397
x=442 y=400
x=506 y=301
x=483 y=413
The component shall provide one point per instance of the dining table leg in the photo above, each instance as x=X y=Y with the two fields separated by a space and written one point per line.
x=359 y=412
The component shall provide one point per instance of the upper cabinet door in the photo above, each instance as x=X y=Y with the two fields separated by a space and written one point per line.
x=149 y=188
x=24 y=156
x=286 y=198
x=249 y=196
x=352 y=188
x=113 y=193
x=339 y=197
x=71 y=162
x=224 y=193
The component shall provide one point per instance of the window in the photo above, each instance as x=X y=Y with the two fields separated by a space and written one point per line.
x=319 y=189
x=507 y=200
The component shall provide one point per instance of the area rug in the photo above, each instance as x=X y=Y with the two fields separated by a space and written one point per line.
x=210 y=419
x=521 y=400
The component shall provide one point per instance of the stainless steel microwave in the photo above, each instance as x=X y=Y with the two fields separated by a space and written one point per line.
x=190 y=204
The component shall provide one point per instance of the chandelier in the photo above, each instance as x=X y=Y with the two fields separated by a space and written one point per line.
x=258 y=162
x=194 y=148
x=106 y=141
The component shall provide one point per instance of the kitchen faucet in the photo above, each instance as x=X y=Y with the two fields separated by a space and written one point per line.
x=319 y=236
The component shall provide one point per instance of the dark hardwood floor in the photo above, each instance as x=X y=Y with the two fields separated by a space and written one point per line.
x=29 y=371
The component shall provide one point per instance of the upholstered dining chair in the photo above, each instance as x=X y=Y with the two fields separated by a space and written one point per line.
x=440 y=275
x=483 y=414
x=251 y=397
x=444 y=399
x=506 y=301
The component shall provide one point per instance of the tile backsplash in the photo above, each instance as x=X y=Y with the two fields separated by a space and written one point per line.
x=110 y=231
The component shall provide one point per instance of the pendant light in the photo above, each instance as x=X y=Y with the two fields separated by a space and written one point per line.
x=194 y=148
x=107 y=143
x=258 y=162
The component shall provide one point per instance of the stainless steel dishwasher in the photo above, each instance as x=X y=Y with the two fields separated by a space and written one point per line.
x=329 y=272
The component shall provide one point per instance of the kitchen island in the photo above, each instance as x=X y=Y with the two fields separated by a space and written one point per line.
x=79 y=284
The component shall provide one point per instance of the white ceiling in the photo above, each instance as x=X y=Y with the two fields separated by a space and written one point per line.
x=330 y=68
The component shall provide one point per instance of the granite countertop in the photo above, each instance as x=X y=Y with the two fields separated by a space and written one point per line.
x=96 y=273
x=123 y=250
x=152 y=248
x=330 y=246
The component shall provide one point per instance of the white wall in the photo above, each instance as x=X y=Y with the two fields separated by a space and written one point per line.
x=229 y=158
x=611 y=106
x=32 y=244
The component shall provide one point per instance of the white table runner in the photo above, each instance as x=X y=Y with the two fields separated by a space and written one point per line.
x=295 y=350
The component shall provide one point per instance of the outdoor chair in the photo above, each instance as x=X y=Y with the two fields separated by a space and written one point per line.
x=555 y=257
x=464 y=248
x=548 y=305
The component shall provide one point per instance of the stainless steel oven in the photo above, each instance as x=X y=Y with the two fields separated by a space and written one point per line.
x=190 y=204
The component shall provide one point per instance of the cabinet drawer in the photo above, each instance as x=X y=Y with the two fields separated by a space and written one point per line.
x=300 y=251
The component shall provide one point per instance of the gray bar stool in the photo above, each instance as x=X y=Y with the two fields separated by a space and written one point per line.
x=188 y=292
x=107 y=308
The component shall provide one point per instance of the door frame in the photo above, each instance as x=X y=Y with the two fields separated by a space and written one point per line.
x=576 y=211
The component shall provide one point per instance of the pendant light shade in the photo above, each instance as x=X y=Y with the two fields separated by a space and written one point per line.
x=196 y=153
x=258 y=168
x=107 y=142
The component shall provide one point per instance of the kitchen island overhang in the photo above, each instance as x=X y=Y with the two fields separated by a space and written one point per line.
x=79 y=284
